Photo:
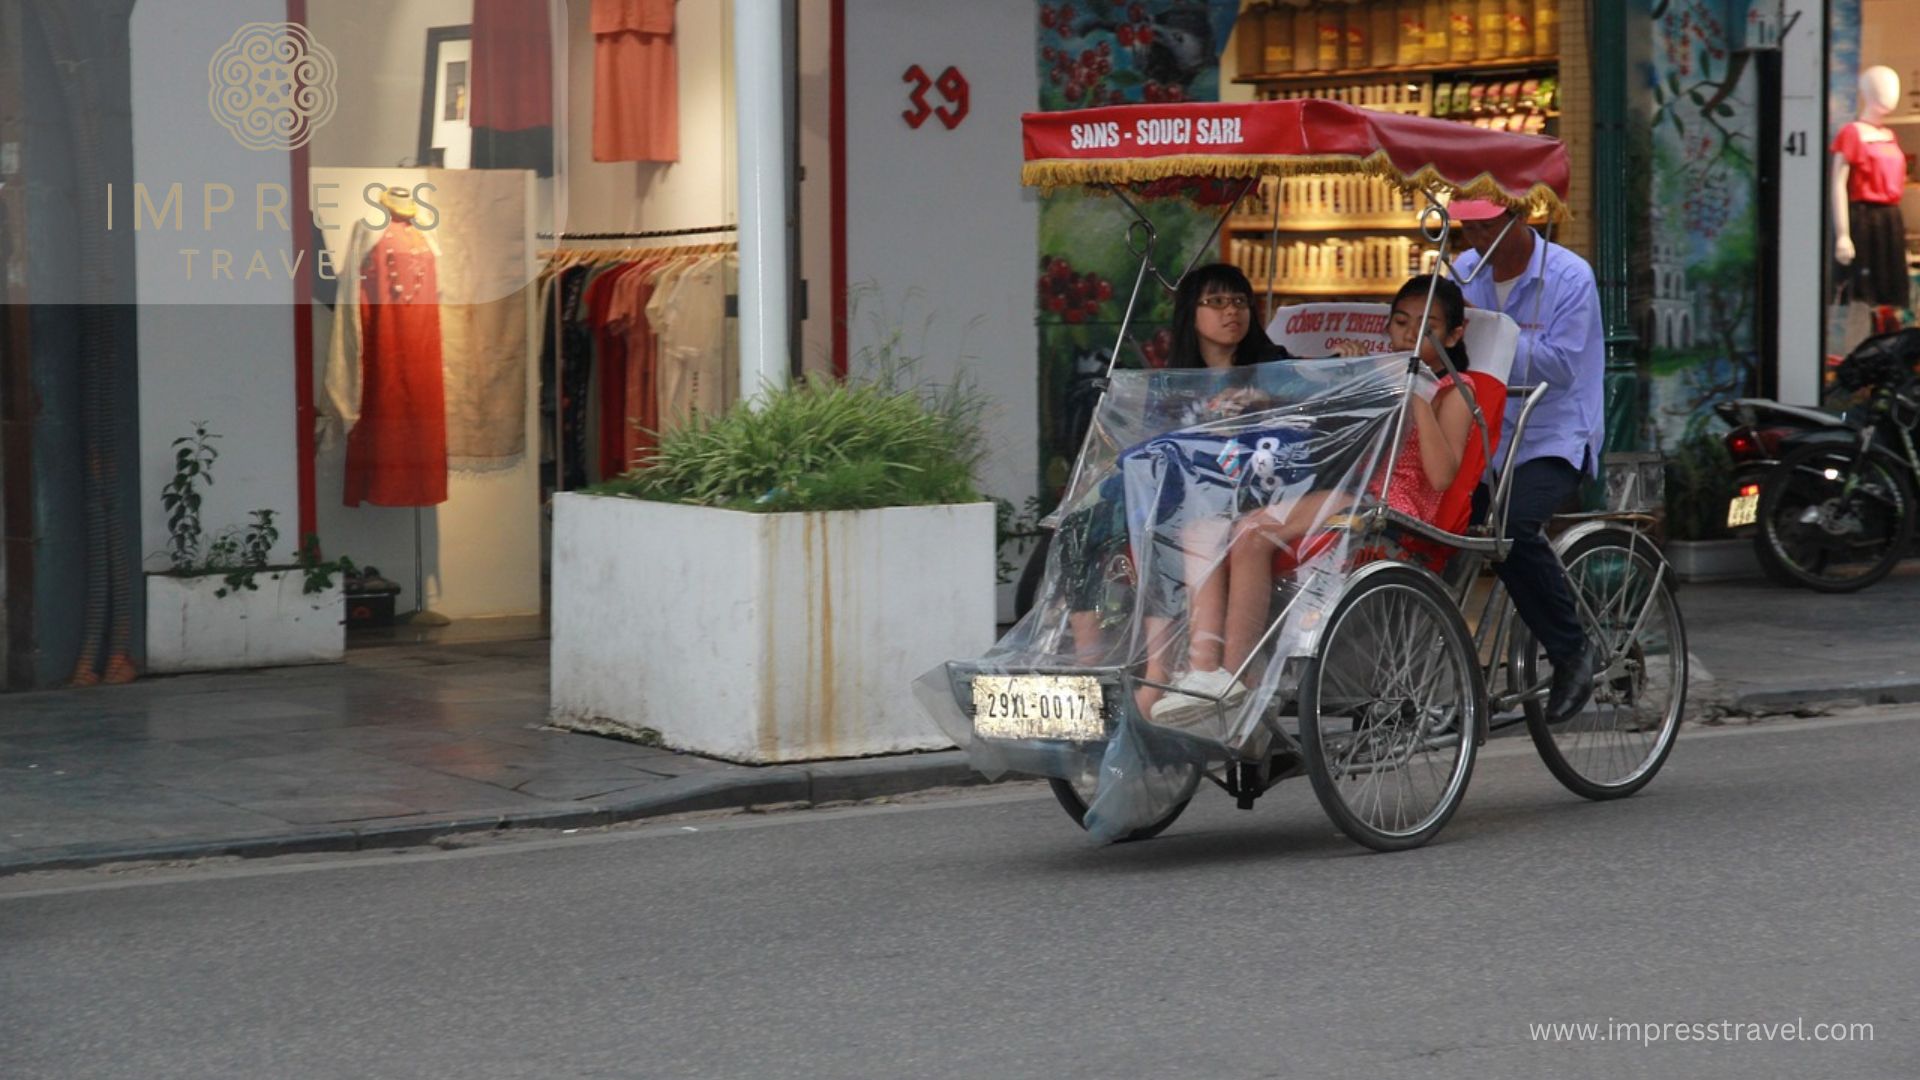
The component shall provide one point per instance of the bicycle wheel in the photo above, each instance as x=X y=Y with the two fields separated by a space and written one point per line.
x=1832 y=521
x=1391 y=709
x=1615 y=745
x=1074 y=801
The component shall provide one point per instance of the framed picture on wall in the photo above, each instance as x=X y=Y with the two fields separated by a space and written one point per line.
x=446 y=135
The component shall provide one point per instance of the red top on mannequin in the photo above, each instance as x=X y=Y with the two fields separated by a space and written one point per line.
x=1877 y=170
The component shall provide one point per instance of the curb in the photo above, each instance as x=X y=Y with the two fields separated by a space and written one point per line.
x=786 y=785
x=1735 y=701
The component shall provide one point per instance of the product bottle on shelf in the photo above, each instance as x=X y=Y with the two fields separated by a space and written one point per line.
x=1490 y=18
x=1462 y=42
x=1546 y=27
x=1306 y=37
x=1433 y=20
x=1250 y=41
x=1520 y=27
x=1383 y=30
x=1412 y=44
x=1331 y=16
x=1333 y=35
x=1277 y=38
x=1359 y=37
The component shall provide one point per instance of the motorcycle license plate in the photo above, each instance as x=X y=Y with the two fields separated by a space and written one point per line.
x=1037 y=707
x=1743 y=510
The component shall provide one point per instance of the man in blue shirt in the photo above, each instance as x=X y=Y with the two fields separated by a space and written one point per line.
x=1550 y=292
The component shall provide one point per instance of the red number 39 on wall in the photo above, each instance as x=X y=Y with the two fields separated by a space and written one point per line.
x=952 y=86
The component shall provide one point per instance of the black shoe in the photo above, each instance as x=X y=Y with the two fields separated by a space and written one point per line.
x=1572 y=686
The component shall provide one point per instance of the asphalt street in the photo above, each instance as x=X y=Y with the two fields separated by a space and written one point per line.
x=1767 y=875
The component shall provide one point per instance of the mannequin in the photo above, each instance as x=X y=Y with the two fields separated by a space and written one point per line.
x=1869 y=176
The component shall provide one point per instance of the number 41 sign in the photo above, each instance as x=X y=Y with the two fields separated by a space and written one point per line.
x=952 y=86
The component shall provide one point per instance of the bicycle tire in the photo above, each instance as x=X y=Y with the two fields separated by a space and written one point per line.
x=1076 y=807
x=1574 y=765
x=1356 y=680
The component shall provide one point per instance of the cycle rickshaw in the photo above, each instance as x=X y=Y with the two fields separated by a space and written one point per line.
x=1364 y=673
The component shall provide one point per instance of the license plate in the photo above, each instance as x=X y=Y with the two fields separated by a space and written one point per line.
x=1743 y=510
x=1037 y=707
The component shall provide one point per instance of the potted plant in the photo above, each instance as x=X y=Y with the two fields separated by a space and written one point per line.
x=767 y=588
x=222 y=603
x=1699 y=481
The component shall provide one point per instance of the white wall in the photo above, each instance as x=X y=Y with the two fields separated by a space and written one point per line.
x=699 y=189
x=941 y=237
x=218 y=351
x=381 y=49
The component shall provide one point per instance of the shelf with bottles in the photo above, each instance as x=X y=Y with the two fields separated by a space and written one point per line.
x=1329 y=203
x=1343 y=78
x=1283 y=41
x=1332 y=267
x=1316 y=290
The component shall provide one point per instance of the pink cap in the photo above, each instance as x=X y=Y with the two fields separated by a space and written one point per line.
x=1475 y=209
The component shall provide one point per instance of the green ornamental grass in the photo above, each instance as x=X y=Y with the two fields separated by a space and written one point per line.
x=820 y=445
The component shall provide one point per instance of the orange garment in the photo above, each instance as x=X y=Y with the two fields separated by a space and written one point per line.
x=627 y=314
x=636 y=82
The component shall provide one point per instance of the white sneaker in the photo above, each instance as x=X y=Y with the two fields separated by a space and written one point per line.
x=1184 y=709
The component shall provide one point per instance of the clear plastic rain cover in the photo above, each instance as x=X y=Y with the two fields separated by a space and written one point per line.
x=1202 y=543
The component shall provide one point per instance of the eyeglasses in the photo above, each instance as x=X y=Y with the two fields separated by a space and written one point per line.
x=1225 y=302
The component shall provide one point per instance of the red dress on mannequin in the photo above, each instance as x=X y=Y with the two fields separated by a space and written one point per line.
x=397 y=451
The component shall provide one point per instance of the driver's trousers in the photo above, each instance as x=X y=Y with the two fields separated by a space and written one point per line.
x=1532 y=575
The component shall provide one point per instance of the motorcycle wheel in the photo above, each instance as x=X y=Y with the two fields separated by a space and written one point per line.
x=1814 y=532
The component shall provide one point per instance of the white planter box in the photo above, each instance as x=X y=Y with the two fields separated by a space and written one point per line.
x=764 y=637
x=1713 y=560
x=191 y=629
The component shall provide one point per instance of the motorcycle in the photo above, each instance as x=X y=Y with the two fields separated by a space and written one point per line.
x=1830 y=499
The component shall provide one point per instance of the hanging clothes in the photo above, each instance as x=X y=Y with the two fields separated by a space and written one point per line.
x=627 y=316
x=610 y=365
x=566 y=348
x=512 y=112
x=384 y=381
x=691 y=322
x=635 y=342
x=636 y=81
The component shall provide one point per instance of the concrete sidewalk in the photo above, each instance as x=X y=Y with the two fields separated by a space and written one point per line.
x=406 y=743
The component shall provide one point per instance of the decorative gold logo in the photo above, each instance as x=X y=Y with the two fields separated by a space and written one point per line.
x=272 y=86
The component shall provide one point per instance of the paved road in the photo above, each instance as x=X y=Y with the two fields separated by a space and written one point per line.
x=1769 y=874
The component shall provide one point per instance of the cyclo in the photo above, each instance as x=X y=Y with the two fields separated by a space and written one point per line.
x=1366 y=675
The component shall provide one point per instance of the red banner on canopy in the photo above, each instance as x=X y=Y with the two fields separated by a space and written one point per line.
x=1138 y=143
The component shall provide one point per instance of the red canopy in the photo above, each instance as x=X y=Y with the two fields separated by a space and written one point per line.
x=1136 y=143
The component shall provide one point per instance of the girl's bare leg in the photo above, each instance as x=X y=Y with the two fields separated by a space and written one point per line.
x=1249 y=599
x=1250 y=558
x=1089 y=646
x=1203 y=545
x=1159 y=630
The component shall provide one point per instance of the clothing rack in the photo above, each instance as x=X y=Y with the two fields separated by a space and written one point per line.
x=555 y=253
x=652 y=234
